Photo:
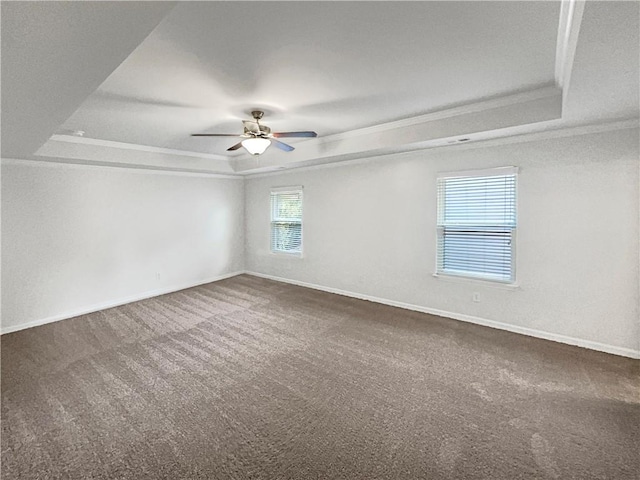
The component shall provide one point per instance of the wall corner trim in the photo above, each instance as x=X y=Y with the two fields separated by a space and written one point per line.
x=554 y=337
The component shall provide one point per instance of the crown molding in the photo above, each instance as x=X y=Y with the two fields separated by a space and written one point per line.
x=475 y=107
x=101 y=152
x=133 y=146
x=547 y=91
x=132 y=168
x=548 y=134
x=492 y=117
x=544 y=92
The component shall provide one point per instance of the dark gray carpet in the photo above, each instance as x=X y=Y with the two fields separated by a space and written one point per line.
x=253 y=379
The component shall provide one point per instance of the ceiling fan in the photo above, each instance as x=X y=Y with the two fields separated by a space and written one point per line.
x=257 y=137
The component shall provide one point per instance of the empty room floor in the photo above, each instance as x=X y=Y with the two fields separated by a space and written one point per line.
x=251 y=378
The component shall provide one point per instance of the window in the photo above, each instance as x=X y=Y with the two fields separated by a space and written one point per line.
x=286 y=220
x=477 y=224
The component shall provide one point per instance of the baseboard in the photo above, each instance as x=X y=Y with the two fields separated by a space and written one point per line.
x=601 y=347
x=113 y=303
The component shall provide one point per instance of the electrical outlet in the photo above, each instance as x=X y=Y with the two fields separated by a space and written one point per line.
x=476 y=297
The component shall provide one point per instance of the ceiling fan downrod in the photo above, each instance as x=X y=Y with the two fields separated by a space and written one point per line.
x=257 y=114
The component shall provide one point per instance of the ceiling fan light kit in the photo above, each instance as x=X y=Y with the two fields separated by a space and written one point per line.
x=256 y=145
x=257 y=137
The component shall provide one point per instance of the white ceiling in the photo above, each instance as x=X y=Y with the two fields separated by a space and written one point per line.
x=605 y=80
x=332 y=67
x=55 y=54
x=315 y=65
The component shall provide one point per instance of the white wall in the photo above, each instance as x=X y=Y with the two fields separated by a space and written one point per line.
x=79 y=238
x=369 y=229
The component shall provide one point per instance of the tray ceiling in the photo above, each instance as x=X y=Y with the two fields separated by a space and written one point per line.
x=372 y=78
x=323 y=66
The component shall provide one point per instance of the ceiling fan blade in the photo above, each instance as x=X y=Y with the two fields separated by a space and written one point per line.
x=251 y=126
x=295 y=134
x=235 y=147
x=282 y=146
x=215 y=135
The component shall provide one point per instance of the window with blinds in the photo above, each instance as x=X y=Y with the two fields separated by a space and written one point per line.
x=286 y=220
x=477 y=224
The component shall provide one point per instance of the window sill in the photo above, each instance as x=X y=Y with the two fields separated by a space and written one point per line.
x=476 y=281
x=297 y=255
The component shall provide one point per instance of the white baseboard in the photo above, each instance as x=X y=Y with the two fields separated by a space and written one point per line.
x=601 y=347
x=625 y=352
x=113 y=303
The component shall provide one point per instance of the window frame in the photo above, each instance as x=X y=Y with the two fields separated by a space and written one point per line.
x=471 y=276
x=298 y=189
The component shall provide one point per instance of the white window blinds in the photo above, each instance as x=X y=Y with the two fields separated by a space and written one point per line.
x=476 y=224
x=286 y=221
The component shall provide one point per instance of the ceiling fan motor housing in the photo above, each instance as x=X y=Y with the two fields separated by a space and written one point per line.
x=264 y=131
x=259 y=137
